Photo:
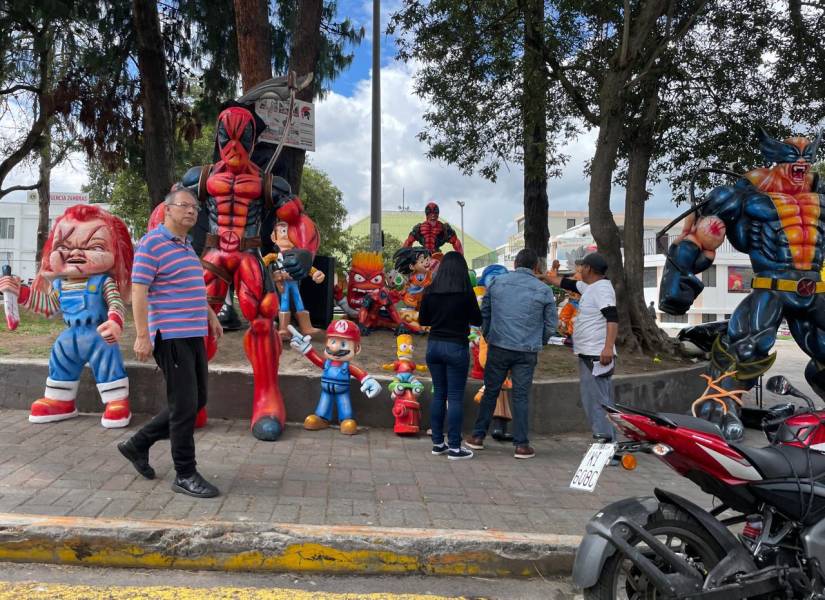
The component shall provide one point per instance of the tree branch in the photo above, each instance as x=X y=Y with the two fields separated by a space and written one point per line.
x=20 y=87
x=681 y=32
x=17 y=188
x=557 y=71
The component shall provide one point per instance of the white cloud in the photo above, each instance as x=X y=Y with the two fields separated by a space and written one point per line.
x=343 y=151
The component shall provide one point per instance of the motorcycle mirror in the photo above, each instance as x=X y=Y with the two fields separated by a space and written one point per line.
x=778 y=385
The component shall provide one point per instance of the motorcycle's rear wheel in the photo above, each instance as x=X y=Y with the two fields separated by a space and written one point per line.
x=621 y=580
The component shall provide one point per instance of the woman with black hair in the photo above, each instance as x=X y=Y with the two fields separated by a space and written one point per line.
x=449 y=308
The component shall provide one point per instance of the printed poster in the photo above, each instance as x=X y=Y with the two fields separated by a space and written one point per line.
x=302 y=129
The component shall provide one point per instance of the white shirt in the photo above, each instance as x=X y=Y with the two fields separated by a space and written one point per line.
x=590 y=326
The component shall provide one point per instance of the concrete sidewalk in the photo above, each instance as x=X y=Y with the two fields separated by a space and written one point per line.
x=317 y=478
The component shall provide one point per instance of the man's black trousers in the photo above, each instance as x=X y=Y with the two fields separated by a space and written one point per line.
x=183 y=362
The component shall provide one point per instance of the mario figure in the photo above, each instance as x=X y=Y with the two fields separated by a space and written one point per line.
x=343 y=343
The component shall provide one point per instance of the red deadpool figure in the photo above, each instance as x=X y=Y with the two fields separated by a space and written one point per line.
x=432 y=233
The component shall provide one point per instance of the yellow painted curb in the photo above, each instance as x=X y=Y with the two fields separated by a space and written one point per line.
x=281 y=548
x=50 y=591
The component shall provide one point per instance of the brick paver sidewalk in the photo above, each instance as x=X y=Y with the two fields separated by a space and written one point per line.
x=375 y=478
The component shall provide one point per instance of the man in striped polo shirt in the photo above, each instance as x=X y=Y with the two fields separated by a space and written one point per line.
x=172 y=318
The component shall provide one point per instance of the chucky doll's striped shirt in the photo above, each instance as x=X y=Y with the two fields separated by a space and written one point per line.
x=171 y=270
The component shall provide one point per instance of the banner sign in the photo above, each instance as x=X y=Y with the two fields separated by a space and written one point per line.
x=301 y=130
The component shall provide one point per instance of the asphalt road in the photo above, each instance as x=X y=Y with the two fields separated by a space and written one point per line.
x=41 y=582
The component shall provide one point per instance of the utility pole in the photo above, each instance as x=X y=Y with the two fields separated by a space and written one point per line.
x=461 y=204
x=375 y=179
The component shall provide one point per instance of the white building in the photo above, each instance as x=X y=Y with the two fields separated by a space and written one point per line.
x=18 y=229
x=727 y=283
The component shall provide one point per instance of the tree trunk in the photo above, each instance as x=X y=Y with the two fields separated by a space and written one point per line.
x=158 y=130
x=642 y=333
x=303 y=59
x=534 y=101
x=254 y=50
x=43 y=190
x=45 y=168
x=602 y=225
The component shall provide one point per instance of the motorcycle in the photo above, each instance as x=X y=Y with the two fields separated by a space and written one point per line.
x=665 y=546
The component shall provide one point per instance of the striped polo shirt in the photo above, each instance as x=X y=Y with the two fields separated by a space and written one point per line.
x=174 y=275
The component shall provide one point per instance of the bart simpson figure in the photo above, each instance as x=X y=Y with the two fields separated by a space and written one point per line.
x=288 y=289
x=405 y=388
x=342 y=345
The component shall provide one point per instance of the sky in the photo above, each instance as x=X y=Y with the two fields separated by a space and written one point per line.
x=343 y=151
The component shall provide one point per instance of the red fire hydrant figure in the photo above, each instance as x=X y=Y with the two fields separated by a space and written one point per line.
x=405 y=388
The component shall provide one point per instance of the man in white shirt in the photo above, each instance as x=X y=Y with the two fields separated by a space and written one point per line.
x=594 y=340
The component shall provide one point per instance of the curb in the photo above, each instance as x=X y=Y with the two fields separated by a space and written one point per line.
x=222 y=546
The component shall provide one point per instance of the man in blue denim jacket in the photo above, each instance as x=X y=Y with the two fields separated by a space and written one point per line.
x=519 y=314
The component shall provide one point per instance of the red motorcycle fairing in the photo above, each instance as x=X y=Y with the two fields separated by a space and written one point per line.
x=697 y=445
x=802 y=430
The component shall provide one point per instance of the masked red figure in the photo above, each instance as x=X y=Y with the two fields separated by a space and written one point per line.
x=236 y=194
x=432 y=233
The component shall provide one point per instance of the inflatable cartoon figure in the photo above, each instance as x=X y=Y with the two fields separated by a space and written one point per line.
x=776 y=215
x=417 y=265
x=288 y=288
x=369 y=298
x=235 y=193
x=85 y=274
x=405 y=388
x=432 y=233
x=342 y=345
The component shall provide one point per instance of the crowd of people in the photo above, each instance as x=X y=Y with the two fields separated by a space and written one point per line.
x=518 y=316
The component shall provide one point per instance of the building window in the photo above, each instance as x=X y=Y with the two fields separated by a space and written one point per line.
x=651 y=279
x=708 y=318
x=7 y=228
x=520 y=225
x=5 y=259
x=727 y=316
x=586 y=220
x=571 y=223
x=709 y=277
x=675 y=318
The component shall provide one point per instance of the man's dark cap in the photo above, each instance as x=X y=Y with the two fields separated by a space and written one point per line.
x=595 y=261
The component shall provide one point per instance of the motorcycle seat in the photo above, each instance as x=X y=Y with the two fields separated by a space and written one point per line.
x=695 y=423
x=780 y=462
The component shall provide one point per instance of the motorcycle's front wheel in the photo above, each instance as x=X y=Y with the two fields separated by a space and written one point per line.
x=621 y=580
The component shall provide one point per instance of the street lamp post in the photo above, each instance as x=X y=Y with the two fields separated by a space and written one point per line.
x=375 y=179
x=461 y=204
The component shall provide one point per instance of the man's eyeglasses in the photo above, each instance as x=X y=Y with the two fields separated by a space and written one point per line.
x=187 y=206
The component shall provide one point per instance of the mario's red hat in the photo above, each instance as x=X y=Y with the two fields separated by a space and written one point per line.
x=344 y=329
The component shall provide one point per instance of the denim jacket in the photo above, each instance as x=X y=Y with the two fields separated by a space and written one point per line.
x=519 y=312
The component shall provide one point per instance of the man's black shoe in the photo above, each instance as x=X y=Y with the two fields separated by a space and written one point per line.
x=194 y=485
x=140 y=461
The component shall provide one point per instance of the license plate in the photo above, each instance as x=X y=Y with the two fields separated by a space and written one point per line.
x=597 y=457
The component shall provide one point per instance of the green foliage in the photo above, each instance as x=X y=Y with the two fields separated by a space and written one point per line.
x=469 y=68
x=325 y=204
x=717 y=69
x=361 y=243
x=125 y=189
x=130 y=200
